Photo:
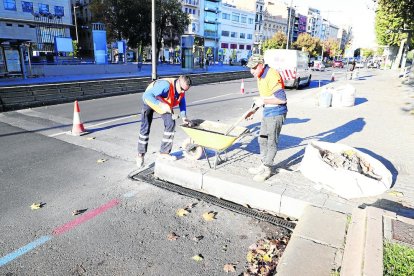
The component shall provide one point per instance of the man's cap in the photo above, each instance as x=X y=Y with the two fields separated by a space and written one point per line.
x=254 y=60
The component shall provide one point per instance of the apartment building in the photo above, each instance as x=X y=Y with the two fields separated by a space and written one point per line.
x=299 y=26
x=273 y=24
x=236 y=33
x=314 y=24
x=27 y=26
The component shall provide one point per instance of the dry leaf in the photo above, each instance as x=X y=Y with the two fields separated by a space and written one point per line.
x=198 y=238
x=172 y=236
x=36 y=206
x=229 y=268
x=182 y=212
x=191 y=205
x=197 y=258
x=90 y=138
x=396 y=193
x=209 y=216
x=267 y=258
x=101 y=160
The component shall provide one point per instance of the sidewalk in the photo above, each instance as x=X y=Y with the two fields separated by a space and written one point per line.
x=146 y=70
x=376 y=125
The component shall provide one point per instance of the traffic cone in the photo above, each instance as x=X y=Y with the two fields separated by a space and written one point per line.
x=77 y=128
x=333 y=77
x=242 y=86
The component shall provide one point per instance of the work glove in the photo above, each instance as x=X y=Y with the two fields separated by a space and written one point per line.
x=187 y=122
x=258 y=101
x=165 y=107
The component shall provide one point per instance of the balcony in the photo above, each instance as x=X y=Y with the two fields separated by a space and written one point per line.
x=193 y=3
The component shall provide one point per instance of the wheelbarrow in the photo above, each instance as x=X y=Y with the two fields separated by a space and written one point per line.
x=214 y=136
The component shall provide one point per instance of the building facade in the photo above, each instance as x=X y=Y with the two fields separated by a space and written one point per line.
x=30 y=27
x=314 y=24
x=273 y=24
x=236 y=33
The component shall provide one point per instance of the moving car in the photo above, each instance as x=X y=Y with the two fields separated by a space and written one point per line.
x=292 y=65
x=338 y=64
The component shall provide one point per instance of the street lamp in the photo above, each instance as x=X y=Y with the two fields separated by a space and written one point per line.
x=289 y=19
x=76 y=23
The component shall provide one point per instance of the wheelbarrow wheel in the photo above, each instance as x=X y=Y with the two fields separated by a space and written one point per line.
x=191 y=150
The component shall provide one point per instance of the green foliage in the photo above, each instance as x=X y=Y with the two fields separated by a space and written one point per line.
x=392 y=17
x=278 y=41
x=131 y=20
x=398 y=259
x=75 y=49
x=366 y=52
x=308 y=44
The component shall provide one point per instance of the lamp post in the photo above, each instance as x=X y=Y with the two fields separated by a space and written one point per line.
x=153 y=48
x=76 y=23
x=289 y=19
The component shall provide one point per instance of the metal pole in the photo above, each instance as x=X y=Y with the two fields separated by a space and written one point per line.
x=289 y=19
x=76 y=25
x=154 y=52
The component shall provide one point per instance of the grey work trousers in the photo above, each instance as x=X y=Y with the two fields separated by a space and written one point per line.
x=269 y=137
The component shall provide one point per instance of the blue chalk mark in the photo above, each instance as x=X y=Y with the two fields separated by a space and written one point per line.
x=23 y=250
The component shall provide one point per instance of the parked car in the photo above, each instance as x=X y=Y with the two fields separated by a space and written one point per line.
x=359 y=64
x=338 y=64
x=318 y=66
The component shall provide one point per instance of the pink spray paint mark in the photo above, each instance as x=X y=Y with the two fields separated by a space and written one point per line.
x=87 y=216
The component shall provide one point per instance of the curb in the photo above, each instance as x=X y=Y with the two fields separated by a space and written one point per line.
x=230 y=187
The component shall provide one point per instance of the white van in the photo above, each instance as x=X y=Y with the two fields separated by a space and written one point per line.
x=293 y=66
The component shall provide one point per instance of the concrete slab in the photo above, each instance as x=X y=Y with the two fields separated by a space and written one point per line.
x=373 y=261
x=306 y=257
x=322 y=226
x=179 y=173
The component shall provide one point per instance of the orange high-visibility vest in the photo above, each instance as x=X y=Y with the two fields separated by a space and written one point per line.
x=170 y=100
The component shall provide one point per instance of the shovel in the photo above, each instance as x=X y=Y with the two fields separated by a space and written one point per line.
x=245 y=115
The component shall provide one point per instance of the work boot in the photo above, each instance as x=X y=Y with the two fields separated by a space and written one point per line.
x=166 y=156
x=265 y=174
x=257 y=170
x=140 y=160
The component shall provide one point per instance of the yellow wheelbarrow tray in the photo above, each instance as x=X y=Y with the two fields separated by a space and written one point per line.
x=212 y=135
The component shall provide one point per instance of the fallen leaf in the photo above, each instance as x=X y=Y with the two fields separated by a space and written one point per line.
x=267 y=258
x=191 y=205
x=229 y=268
x=396 y=193
x=101 y=160
x=172 y=236
x=78 y=212
x=198 y=238
x=209 y=216
x=90 y=138
x=36 y=206
x=197 y=258
x=182 y=212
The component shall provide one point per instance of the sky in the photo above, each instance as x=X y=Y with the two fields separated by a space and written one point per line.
x=358 y=14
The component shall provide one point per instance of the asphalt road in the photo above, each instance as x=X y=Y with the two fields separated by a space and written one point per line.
x=125 y=225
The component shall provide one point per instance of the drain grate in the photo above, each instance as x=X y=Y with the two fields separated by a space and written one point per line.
x=147 y=176
x=403 y=232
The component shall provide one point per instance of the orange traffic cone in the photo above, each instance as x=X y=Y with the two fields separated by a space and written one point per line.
x=77 y=128
x=333 y=77
x=242 y=87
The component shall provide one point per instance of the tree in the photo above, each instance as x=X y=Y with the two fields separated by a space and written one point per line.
x=392 y=17
x=278 y=41
x=170 y=20
x=112 y=14
x=366 y=52
x=307 y=43
x=331 y=47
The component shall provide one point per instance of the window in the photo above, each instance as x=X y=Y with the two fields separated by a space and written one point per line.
x=251 y=21
x=241 y=47
x=9 y=25
x=43 y=8
x=249 y=36
x=193 y=27
x=226 y=16
x=27 y=6
x=59 y=11
x=242 y=35
x=233 y=34
x=9 y=5
x=224 y=45
x=248 y=47
x=235 y=17
x=20 y=26
x=243 y=19
x=233 y=46
x=225 y=33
